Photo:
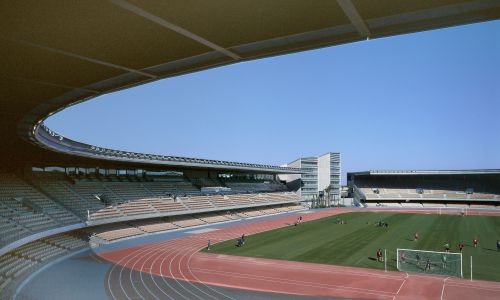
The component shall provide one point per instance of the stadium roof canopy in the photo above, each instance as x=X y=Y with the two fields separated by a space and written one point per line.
x=55 y=54
x=428 y=172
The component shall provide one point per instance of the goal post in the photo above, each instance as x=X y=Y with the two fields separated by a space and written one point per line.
x=430 y=262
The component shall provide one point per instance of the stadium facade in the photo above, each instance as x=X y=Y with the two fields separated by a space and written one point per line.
x=426 y=188
x=321 y=176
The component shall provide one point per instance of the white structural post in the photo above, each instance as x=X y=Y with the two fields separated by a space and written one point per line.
x=397 y=259
x=385 y=259
x=471 y=268
x=461 y=266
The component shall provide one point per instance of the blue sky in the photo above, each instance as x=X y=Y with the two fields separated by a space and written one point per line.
x=429 y=100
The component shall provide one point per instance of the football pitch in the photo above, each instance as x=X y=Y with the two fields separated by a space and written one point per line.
x=356 y=242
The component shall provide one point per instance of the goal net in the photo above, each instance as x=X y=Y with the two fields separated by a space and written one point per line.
x=430 y=262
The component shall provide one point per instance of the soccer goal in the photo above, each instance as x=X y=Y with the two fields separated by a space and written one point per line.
x=430 y=262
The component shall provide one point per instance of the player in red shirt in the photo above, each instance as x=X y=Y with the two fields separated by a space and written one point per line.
x=461 y=246
x=474 y=242
x=380 y=256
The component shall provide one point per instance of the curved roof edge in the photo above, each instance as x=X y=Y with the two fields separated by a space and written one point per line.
x=90 y=49
x=428 y=172
x=48 y=138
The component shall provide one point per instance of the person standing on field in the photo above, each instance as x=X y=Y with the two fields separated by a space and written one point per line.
x=380 y=256
x=428 y=265
x=443 y=260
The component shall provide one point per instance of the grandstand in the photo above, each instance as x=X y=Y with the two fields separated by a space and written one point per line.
x=20 y=262
x=433 y=189
x=45 y=200
x=35 y=205
x=117 y=231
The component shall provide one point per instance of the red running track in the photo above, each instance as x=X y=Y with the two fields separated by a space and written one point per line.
x=181 y=260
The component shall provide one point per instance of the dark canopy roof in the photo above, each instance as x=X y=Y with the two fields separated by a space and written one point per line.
x=57 y=53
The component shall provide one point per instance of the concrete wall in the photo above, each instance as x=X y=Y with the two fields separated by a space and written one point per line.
x=323 y=171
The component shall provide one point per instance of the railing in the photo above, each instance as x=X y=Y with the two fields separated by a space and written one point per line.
x=39 y=235
x=358 y=195
x=230 y=206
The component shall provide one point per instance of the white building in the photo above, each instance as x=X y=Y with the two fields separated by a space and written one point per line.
x=322 y=175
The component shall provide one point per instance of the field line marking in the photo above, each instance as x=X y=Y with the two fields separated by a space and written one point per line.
x=257 y=228
x=287 y=281
x=378 y=296
x=332 y=269
x=444 y=284
x=298 y=265
x=493 y=289
x=290 y=282
x=400 y=287
x=188 y=266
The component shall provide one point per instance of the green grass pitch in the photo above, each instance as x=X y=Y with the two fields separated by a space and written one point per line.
x=355 y=243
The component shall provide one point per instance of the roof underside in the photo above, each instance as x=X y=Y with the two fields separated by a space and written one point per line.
x=428 y=172
x=58 y=53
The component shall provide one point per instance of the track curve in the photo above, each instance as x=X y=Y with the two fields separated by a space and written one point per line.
x=175 y=269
